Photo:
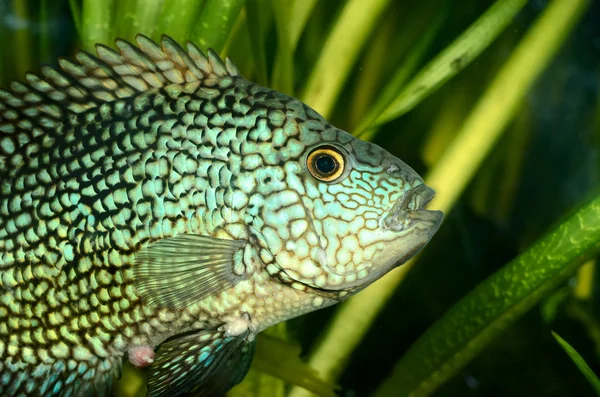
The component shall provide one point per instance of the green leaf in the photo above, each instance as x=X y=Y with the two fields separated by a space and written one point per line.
x=261 y=16
x=137 y=16
x=45 y=42
x=216 y=22
x=282 y=360
x=283 y=72
x=406 y=69
x=22 y=39
x=580 y=362
x=300 y=10
x=97 y=23
x=177 y=17
x=258 y=383
x=292 y=16
x=3 y=40
x=343 y=45
x=495 y=304
x=277 y=362
x=452 y=60
x=75 y=8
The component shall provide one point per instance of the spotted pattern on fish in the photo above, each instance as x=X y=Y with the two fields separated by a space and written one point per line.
x=153 y=192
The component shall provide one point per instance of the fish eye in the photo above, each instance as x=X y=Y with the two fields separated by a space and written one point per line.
x=326 y=163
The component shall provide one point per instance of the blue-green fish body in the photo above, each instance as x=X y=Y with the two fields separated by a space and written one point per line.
x=156 y=205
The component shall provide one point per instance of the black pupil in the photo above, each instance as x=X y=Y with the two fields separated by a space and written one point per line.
x=326 y=164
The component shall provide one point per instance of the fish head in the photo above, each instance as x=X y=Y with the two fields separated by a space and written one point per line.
x=359 y=212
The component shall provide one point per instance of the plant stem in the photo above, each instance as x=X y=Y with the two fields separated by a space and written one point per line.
x=260 y=14
x=580 y=362
x=585 y=281
x=76 y=15
x=137 y=16
x=22 y=38
x=177 y=17
x=215 y=23
x=408 y=66
x=450 y=61
x=283 y=74
x=301 y=10
x=45 y=43
x=343 y=45
x=97 y=23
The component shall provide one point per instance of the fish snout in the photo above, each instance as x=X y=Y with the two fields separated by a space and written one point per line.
x=410 y=209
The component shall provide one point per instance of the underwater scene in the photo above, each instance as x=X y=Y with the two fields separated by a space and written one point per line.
x=296 y=198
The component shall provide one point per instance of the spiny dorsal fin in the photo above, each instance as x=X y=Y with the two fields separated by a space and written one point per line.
x=42 y=103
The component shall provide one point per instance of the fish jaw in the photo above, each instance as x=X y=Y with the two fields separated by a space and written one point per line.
x=413 y=225
x=403 y=231
x=409 y=211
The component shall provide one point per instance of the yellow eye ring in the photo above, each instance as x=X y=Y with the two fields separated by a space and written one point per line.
x=326 y=163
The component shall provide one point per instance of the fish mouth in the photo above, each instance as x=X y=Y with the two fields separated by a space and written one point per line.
x=409 y=210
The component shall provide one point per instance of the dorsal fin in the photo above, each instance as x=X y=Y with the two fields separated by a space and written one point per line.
x=40 y=105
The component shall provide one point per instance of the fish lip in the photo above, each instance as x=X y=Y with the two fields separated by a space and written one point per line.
x=410 y=209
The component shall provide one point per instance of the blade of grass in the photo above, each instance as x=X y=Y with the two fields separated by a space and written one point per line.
x=398 y=53
x=282 y=360
x=502 y=99
x=283 y=74
x=292 y=16
x=276 y=362
x=239 y=27
x=453 y=171
x=402 y=74
x=3 y=44
x=372 y=66
x=97 y=23
x=261 y=15
x=258 y=383
x=75 y=7
x=580 y=362
x=585 y=281
x=239 y=47
x=495 y=304
x=137 y=16
x=22 y=41
x=343 y=45
x=131 y=384
x=176 y=18
x=493 y=189
x=586 y=316
x=449 y=62
x=45 y=42
x=514 y=165
x=446 y=123
x=300 y=10
x=215 y=23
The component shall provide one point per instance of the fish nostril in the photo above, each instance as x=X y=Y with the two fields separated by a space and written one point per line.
x=392 y=168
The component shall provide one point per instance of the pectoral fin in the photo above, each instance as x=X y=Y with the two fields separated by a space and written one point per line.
x=177 y=271
x=189 y=363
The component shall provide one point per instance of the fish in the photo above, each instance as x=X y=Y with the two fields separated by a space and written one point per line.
x=156 y=206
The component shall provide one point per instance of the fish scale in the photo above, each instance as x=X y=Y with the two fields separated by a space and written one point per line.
x=152 y=198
